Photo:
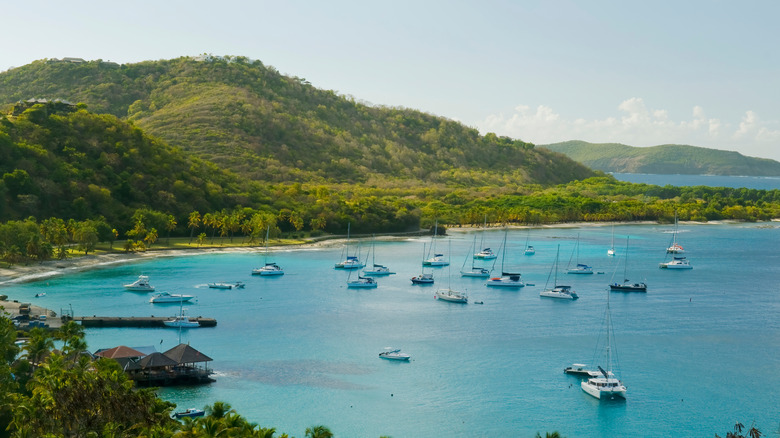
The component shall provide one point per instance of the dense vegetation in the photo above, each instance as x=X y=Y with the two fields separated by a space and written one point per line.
x=263 y=125
x=70 y=178
x=664 y=159
x=51 y=386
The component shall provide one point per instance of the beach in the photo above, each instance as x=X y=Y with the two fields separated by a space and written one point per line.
x=34 y=271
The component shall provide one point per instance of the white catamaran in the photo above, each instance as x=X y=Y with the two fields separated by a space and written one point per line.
x=605 y=385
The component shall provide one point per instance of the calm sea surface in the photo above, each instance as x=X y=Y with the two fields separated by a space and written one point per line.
x=698 y=352
x=750 y=182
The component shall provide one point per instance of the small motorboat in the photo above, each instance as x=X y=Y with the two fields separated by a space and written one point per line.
x=236 y=285
x=191 y=412
x=394 y=354
x=578 y=369
x=140 y=285
x=40 y=294
x=181 y=321
x=165 y=297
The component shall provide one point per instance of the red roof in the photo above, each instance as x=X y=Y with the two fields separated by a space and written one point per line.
x=120 y=351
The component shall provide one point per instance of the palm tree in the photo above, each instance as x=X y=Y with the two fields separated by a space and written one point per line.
x=38 y=346
x=193 y=223
x=318 y=432
x=170 y=225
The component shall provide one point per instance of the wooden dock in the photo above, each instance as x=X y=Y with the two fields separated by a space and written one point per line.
x=135 y=321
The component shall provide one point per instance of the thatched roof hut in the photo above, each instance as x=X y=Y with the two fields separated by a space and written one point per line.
x=156 y=360
x=184 y=354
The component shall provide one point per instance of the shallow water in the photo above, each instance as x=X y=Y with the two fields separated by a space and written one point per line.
x=697 y=352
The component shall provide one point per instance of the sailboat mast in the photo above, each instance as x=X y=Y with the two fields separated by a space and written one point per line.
x=625 y=268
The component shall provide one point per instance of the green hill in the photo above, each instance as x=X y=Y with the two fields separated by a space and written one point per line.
x=60 y=160
x=664 y=159
x=247 y=117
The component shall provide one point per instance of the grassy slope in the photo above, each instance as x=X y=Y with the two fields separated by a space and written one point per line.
x=664 y=159
x=247 y=117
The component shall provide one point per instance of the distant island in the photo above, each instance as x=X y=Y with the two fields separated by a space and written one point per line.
x=668 y=159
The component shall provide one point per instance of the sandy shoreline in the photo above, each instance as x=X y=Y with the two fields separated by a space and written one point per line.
x=38 y=271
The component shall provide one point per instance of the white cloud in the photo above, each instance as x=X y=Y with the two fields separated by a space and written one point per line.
x=635 y=124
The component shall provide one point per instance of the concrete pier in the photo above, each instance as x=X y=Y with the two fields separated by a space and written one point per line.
x=135 y=321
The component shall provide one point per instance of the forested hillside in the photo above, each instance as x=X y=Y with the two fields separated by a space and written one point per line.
x=62 y=161
x=249 y=118
x=664 y=159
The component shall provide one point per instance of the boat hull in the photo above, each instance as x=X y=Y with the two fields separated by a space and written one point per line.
x=452 y=297
x=397 y=357
x=475 y=274
x=171 y=299
x=267 y=272
x=579 y=271
x=674 y=266
x=590 y=389
x=361 y=285
x=139 y=289
x=628 y=287
x=181 y=324
x=558 y=295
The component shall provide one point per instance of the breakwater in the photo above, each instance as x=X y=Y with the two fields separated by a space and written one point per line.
x=134 y=321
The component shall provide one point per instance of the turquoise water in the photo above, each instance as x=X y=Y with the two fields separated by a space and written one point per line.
x=750 y=182
x=698 y=352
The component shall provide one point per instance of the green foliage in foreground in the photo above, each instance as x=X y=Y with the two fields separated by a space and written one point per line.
x=65 y=392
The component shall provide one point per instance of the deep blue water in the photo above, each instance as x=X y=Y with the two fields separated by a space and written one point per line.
x=750 y=182
x=698 y=352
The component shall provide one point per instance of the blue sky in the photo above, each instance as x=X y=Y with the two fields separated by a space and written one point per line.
x=705 y=73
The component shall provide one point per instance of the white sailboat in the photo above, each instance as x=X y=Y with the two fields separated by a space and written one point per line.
x=529 y=249
x=270 y=268
x=424 y=277
x=674 y=247
x=437 y=259
x=557 y=291
x=475 y=271
x=362 y=282
x=507 y=279
x=579 y=268
x=448 y=294
x=485 y=253
x=350 y=262
x=376 y=269
x=676 y=263
x=611 y=250
x=627 y=285
x=606 y=385
x=180 y=321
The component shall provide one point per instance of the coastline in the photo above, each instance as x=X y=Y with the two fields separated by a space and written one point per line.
x=41 y=270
